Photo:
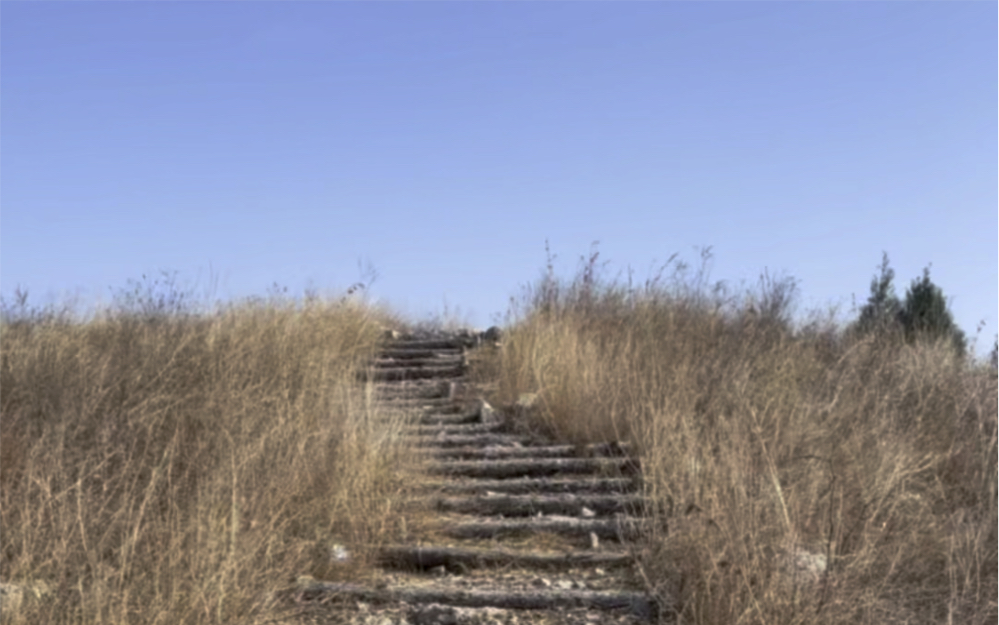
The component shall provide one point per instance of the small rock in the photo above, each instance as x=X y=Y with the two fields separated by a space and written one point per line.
x=809 y=566
x=542 y=582
x=587 y=513
x=339 y=553
x=565 y=584
x=598 y=571
x=487 y=414
x=594 y=540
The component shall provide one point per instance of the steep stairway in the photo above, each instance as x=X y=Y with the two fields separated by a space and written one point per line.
x=525 y=531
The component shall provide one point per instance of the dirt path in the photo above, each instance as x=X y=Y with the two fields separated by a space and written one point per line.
x=526 y=531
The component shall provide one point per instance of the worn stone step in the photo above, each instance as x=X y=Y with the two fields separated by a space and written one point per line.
x=412 y=389
x=618 y=528
x=535 y=485
x=494 y=452
x=424 y=407
x=414 y=373
x=449 y=361
x=442 y=407
x=401 y=353
x=437 y=614
x=513 y=451
x=519 y=467
x=447 y=416
x=463 y=429
x=637 y=603
x=428 y=397
x=565 y=504
x=458 y=559
x=468 y=440
x=427 y=344
x=419 y=416
x=407 y=399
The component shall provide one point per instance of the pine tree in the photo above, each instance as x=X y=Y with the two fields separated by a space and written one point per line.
x=882 y=308
x=925 y=314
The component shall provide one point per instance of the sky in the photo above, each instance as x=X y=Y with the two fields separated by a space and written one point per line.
x=441 y=146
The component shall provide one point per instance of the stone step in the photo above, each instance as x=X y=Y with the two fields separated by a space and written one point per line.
x=409 y=353
x=412 y=389
x=463 y=429
x=637 y=603
x=458 y=559
x=521 y=467
x=565 y=504
x=414 y=400
x=621 y=527
x=518 y=451
x=441 y=408
x=413 y=373
x=468 y=440
x=447 y=416
x=389 y=363
x=427 y=344
x=535 y=485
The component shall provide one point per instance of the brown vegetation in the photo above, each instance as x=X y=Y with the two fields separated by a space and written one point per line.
x=175 y=468
x=765 y=442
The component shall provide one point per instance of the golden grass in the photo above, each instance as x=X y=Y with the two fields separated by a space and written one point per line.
x=174 y=468
x=762 y=442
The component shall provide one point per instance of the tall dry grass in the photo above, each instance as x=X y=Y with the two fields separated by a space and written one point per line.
x=164 y=467
x=797 y=473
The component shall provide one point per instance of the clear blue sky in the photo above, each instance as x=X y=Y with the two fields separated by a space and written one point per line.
x=444 y=143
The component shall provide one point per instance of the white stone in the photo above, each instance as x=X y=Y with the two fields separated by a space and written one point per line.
x=809 y=566
x=487 y=414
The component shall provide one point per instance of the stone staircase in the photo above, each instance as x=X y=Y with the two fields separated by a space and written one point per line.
x=525 y=531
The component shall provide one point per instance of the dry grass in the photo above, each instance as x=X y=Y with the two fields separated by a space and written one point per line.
x=175 y=468
x=762 y=442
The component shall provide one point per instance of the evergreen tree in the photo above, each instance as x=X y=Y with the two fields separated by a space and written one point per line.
x=925 y=314
x=882 y=308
